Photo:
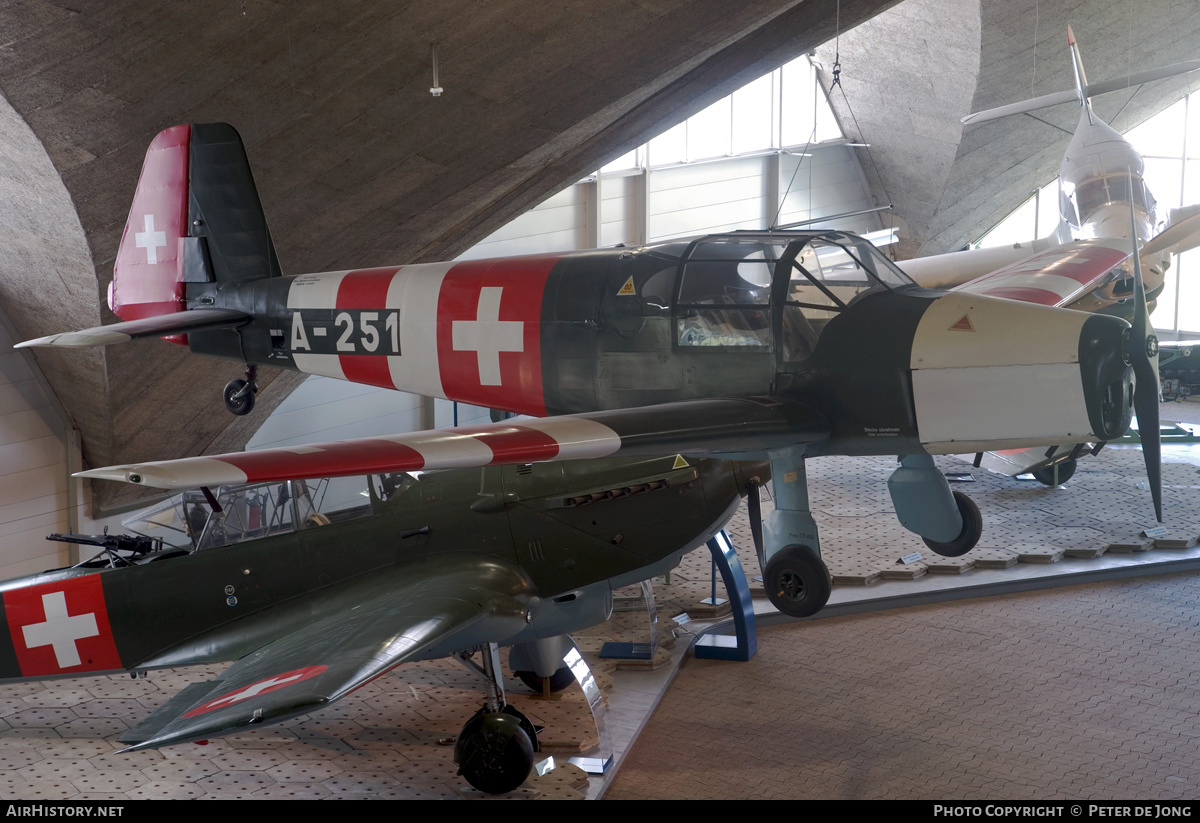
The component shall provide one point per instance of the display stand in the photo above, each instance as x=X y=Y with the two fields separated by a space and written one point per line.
x=744 y=642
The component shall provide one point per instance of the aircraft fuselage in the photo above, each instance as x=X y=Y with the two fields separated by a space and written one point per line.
x=562 y=533
x=891 y=367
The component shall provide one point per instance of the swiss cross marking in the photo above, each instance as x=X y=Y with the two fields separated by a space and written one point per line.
x=253 y=690
x=265 y=686
x=150 y=240
x=487 y=335
x=60 y=630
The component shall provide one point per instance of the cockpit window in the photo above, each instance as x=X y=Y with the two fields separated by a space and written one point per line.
x=726 y=291
x=729 y=283
x=825 y=276
x=251 y=512
x=1080 y=203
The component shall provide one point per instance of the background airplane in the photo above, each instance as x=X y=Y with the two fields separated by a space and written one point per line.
x=314 y=588
x=1086 y=263
x=785 y=345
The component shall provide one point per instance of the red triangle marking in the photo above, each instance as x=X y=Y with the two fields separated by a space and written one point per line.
x=964 y=324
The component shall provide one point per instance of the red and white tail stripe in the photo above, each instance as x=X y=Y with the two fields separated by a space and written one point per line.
x=146 y=278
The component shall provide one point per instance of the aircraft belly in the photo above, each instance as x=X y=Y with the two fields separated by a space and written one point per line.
x=965 y=407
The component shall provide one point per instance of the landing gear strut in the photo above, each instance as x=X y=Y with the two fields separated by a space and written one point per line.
x=239 y=394
x=495 y=748
x=796 y=580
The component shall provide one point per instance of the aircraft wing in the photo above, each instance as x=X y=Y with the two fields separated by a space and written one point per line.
x=720 y=426
x=1056 y=276
x=164 y=324
x=383 y=621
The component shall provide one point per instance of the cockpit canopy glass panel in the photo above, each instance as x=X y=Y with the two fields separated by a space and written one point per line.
x=729 y=283
x=824 y=277
x=251 y=512
x=725 y=293
x=1080 y=203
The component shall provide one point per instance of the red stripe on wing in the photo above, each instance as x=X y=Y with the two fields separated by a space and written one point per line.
x=367 y=289
x=1097 y=260
x=1025 y=294
x=515 y=444
x=331 y=459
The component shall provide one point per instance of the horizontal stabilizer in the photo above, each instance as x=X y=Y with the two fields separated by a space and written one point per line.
x=165 y=324
x=1092 y=89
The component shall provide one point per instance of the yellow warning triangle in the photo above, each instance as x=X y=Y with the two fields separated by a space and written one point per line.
x=680 y=463
x=627 y=289
x=963 y=324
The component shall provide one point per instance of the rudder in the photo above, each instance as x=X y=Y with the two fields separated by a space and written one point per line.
x=196 y=218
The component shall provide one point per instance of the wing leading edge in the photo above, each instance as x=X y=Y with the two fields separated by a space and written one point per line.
x=722 y=426
x=453 y=603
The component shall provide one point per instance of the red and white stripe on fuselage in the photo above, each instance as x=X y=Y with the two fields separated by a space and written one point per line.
x=1056 y=276
x=468 y=331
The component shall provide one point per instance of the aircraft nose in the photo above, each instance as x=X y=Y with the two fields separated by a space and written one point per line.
x=1104 y=365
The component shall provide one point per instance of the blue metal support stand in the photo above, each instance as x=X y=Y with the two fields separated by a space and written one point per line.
x=744 y=643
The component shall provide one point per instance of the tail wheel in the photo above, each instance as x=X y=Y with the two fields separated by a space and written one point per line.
x=797 y=581
x=972 y=529
x=238 y=398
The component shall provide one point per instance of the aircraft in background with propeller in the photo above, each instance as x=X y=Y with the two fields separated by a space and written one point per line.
x=1088 y=262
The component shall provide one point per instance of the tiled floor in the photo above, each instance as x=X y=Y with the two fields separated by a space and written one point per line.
x=1083 y=692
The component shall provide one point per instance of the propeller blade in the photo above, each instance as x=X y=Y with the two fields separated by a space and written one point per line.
x=754 y=508
x=1144 y=359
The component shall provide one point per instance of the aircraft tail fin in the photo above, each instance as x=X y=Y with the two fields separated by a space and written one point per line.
x=1081 y=84
x=1084 y=91
x=196 y=217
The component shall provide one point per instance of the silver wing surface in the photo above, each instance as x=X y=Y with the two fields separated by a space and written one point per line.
x=723 y=426
x=447 y=604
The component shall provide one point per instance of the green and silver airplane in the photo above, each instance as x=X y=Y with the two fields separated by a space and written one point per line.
x=314 y=588
x=774 y=345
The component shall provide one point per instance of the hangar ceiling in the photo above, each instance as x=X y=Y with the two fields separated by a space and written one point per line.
x=356 y=162
x=358 y=165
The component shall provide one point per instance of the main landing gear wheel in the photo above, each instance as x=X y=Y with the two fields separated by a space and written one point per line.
x=558 y=681
x=972 y=528
x=239 y=398
x=1065 y=471
x=797 y=581
x=494 y=751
